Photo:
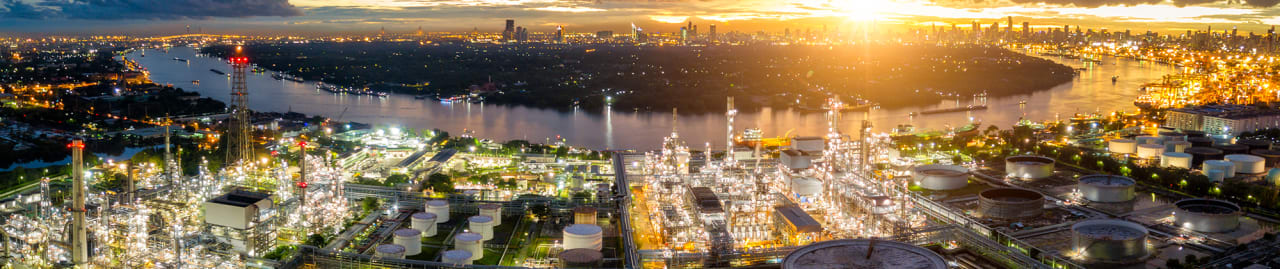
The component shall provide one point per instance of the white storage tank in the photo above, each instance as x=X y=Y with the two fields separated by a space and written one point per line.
x=1247 y=164
x=1228 y=169
x=1148 y=151
x=457 y=257
x=440 y=208
x=1206 y=215
x=1215 y=175
x=1108 y=240
x=410 y=239
x=1107 y=188
x=1176 y=159
x=1176 y=146
x=1028 y=167
x=482 y=225
x=806 y=186
x=471 y=242
x=493 y=211
x=1123 y=146
x=940 y=176
x=583 y=236
x=424 y=222
x=1146 y=139
x=391 y=251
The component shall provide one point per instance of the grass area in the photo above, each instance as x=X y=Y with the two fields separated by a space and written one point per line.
x=428 y=254
x=491 y=257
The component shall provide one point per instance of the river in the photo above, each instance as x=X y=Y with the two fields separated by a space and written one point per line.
x=1091 y=91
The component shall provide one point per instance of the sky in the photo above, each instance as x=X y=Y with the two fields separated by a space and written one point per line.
x=368 y=16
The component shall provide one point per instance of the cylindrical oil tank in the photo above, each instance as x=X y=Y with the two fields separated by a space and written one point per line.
x=410 y=239
x=1206 y=215
x=391 y=251
x=1228 y=169
x=1255 y=143
x=1028 y=167
x=940 y=176
x=1108 y=240
x=424 y=222
x=1193 y=133
x=806 y=186
x=1148 y=151
x=1200 y=141
x=1176 y=146
x=457 y=257
x=482 y=225
x=1201 y=154
x=580 y=258
x=1273 y=176
x=1215 y=175
x=1247 y=164
x=1123 y=146
x=1270 y=157
x=1223 y=140
x=1233 y=149
x=863 y=253
x=584 y=215
x=1106 y=188
x=583 y=236
x=1010 y=203
x=1176 y=159
x=1146 y=139
x=440 y=208
x=1169 y=136
x=493 y=211
x=471 y=242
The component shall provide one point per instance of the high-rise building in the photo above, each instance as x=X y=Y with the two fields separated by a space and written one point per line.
x=712 y=31
x=684 y=34
x=1026 y=30
x=509 y=32
x=560 y=33
x=604 y=34
x=977 y=30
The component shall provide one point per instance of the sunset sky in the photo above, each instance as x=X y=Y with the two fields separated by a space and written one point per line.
x=353 y=16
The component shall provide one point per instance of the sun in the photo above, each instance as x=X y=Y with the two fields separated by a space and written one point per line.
x=862 y=10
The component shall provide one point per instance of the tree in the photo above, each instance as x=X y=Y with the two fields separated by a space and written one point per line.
x=316 y=240
x=440 y=183
x=369 y=204
x=539 y=211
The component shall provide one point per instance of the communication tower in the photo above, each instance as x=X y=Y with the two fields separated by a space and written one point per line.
x=239 y=149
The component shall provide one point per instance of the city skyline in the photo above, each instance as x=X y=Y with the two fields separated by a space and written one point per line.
x=370 y=16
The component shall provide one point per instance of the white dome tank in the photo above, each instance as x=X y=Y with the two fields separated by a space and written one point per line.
x=424 y=222
x=1247 y=164
x=1228 y=169
x=493 y=211
x=410 y=239
x=806 y=186
x=1106 y=188
x=940 y=177
x=389 y=251
x=457 y=256
x=440 y=208
x=1146 y=139
x=482 y=225
x=1176 y=146
x=1176 y=159
x=471 y=243
x=1123 y=146
x=1148 y=151
x=583 y=236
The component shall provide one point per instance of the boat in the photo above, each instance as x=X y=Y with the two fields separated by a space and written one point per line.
x=420 y=97
x=954 y=109
x=196 y=82
x=1114 y=79
x=216 y=71
x=277 y=76
x=179 y=59
x=1023 y=102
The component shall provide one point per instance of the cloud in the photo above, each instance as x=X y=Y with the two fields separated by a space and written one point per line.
x=1179 y=3
x=148 y=9
x=578 y=9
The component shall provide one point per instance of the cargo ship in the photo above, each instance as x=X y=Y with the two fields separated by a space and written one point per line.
x=216 y=71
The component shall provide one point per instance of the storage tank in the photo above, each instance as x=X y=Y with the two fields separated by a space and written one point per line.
x=1228 y=169
x=1200 y=141
x=471 y=242
x=1206 y=215
x=1028 y=167
x=390 y=251
x=410 y=239
x=1110 y=241
x=584 y=215
x=1148 y=151
x=440 y=208
x=1222 y=140
x=1176 y=159
x=940 y=176
x=1176 y=146
x=806 y=186
x=583 y=236
x=1255 y=143
x=482 y=225
x=424 y=222
x=1247 y=164
x=1270 y=157
x=580 y=258
x=1106 y=188
x=1215 y=175
x=1010 y=203
x=1273 y=176
x=863 y=253
x=1146 y=139
x=1123 y=146
x=1201 y=154
x=1170 y=136
x=1233 y=149
x=456 y=257
x=493 y=211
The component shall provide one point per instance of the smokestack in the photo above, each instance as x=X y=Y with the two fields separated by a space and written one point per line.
x=79 y=242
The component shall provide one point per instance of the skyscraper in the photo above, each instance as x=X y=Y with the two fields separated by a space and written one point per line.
x=1008 y=30
x=712 y=31
x=509 y=32
x=560 y=33
x=1026 y=30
